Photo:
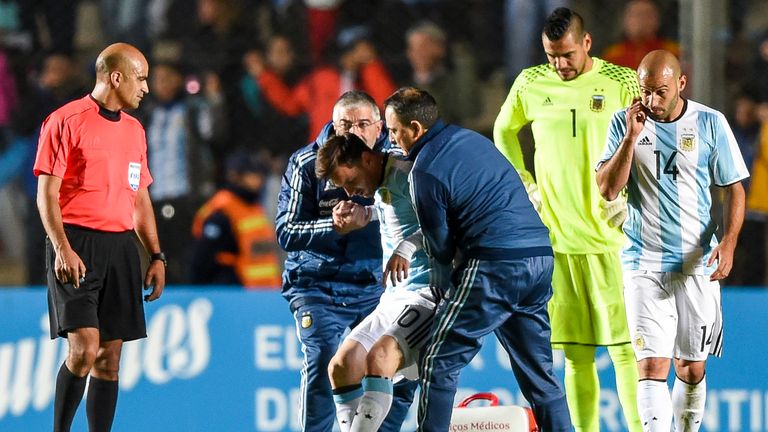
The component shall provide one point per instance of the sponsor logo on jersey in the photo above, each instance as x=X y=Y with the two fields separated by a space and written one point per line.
x=547 y=102
x=329 y=185
x=687 y=142
x=644 y=141
x=326 y=206
x=306 y=320
x=597 y=103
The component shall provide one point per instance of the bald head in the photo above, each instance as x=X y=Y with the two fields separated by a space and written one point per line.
x=659 y=63
x=118 y=56
x=661 y=82
x=121 y=77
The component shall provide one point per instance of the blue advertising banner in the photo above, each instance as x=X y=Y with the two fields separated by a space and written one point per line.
x=229 y=360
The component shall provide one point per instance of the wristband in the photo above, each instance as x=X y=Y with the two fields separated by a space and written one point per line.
x=159 y=256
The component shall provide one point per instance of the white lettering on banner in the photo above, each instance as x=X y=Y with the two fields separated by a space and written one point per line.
x=267 y=347
x=178 y=344
x=610 y=411
x=271 y=409
x=736 y=410
x=275 y=410
x=51 y=354
x=19 y=383
x=276 y=348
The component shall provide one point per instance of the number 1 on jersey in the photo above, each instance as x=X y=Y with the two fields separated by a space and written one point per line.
x=573 y=121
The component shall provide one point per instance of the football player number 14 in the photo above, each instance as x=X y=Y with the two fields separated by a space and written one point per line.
x=670 y=167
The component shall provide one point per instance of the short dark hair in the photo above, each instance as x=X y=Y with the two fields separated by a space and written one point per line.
x=561 y=21
x=338 y=150
x=411 y=103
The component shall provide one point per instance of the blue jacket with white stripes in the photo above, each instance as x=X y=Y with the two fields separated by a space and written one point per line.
x=469 y=199
x=322 y=264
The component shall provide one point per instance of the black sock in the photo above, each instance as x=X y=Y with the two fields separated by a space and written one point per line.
x=100 y=405
x=69 y=393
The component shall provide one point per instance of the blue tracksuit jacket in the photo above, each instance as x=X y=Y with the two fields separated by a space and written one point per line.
x=475 y=204
x=321 y=263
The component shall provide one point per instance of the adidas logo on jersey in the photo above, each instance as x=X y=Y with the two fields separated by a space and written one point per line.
x=547 y=102
x=645 y=141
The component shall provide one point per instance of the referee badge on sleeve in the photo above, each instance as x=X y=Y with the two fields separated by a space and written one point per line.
x=134 y=175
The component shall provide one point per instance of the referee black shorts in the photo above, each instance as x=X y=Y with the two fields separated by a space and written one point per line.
x=111 y=297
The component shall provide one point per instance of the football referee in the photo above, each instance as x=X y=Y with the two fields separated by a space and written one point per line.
x=92 y=195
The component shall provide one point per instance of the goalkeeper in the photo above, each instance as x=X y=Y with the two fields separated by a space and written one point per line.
x=569 y=102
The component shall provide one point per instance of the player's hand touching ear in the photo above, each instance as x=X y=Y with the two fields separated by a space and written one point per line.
x=636 y=116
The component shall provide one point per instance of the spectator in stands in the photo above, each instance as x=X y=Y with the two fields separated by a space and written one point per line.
x=357 y=67
x=522 y=32
x=235 y=241
x=126 y=21
x=219 y=39
x=265 y=129
x=8 y=96
x=181 y=130
x=213 y=50
x=455 y=89
x=750 y=258
x=756 y=82
x=641 y=35
x=259 y=123
x=321 y=25
x=60 y=21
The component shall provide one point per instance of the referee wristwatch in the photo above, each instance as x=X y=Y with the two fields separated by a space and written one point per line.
x=159 y=256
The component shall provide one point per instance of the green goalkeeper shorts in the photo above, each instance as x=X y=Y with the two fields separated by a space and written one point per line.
x=587 y=305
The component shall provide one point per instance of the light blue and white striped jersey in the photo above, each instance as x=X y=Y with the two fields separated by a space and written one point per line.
x=669 y=227
x=398 y=221
x=167 y=138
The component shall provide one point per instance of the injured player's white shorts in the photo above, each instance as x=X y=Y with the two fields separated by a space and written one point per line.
x=406 y=316
x=673 y=315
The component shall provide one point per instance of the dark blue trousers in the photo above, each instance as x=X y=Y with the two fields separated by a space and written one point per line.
x=320 y=327
x=509 y=298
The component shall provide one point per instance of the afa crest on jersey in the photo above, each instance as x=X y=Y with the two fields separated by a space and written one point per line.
x=386 y=195
x=639 y=341
x=687 y=142
x=597 y=103
x=306 y=320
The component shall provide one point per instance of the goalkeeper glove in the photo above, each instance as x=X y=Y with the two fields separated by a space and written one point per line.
x=615 y=212
x=533 y=191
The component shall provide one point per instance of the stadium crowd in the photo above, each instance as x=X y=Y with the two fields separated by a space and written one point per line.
x=229 y=77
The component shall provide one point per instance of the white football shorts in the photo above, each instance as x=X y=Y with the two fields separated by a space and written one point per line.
x=673 y=315
x=406 y=316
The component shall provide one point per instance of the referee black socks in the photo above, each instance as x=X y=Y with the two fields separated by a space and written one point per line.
x=101 y=403
x=69 y=393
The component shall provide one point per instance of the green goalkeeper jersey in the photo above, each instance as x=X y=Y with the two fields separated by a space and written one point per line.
x=569 y=122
